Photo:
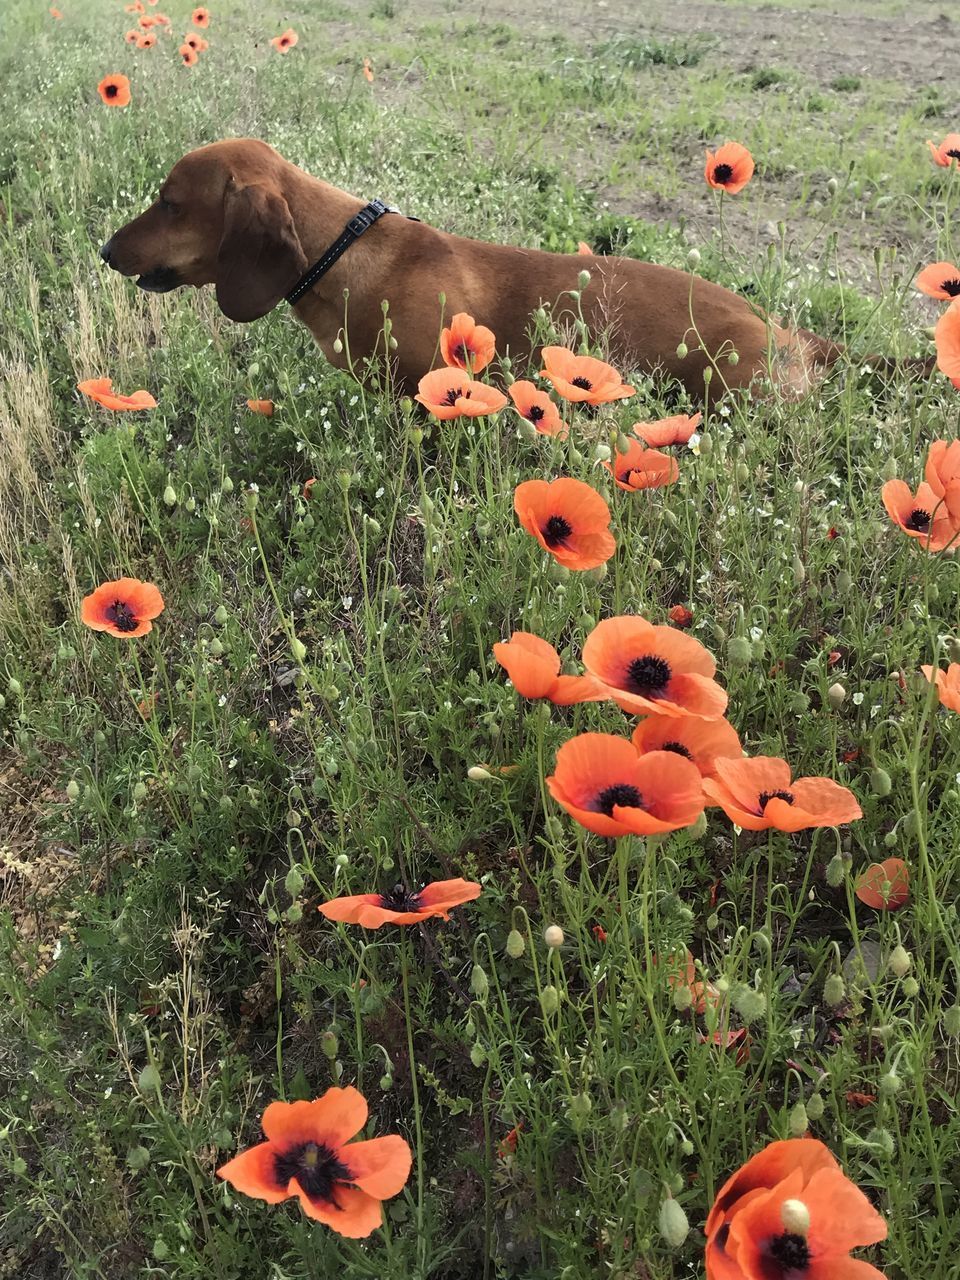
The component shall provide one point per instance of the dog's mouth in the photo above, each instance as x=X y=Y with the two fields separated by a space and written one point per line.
x=160 y=280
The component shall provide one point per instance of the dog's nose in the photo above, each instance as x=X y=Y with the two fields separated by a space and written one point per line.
x=105 y=251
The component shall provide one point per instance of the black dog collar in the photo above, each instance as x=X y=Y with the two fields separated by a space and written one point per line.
x=354 y=229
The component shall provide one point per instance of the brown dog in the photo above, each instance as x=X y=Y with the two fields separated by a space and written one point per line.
x=237 y=215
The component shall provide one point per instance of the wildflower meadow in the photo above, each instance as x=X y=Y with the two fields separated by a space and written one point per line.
x=509 y=830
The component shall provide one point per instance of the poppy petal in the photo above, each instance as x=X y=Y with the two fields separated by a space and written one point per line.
x=379 y=1166
x=355 y=1214
x=330 y=1120
x=253 y=1173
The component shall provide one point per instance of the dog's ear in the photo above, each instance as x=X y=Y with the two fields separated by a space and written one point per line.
x=260 y=257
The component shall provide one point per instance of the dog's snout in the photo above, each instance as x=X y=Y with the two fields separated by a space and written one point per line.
x=105 y=251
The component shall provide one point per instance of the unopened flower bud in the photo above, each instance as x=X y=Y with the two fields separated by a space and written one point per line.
x=583 y=279
x=951 y=1021
x=795 y=1217
x=889 y=471
x=693 y=259
x=673 y=1223
x=880 y=783
x=139 y=791
x=479 y=983
x=329 y=1044
x=836 y=695
x=910 y=987
x=221 y=617
x=739 y=651
x=477 y=773
x=900 y=961
x=169 y=496
x=553 y=936
x=698 y=828
x=14 y=688
x=549 y=1000
x=682 y=351
x=708 y=375
x=338 y=345
x=515 y=944
x=799 y=572
x=815 y=1107
x=834 y=990
x=298 y=649
x=733 y=358
x=889 y=1084
x=833 y=186
x=73 y=790
x=749 y=1003
x=478 y=1055
x=798 y=1122
x=843 y=583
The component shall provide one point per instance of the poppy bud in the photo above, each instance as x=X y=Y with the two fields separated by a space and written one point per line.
x=880 y=783
x=170 y=496
x=836 y=870
x=798 y=1120
x=836 y=695
x=14 y=688
x=910 y=987
x=795 y=1215
x=673 y=1223
x=889 y=471
x=148 y=1080
x=251 y=498
x=583 y=279
x=739 y=651
x=833 y=186
x=815 y=1107
x=191 y=503
x=682 y=998
x=601 y=453
x=478 y=1055
x=221 y=617
x=341 y=861
x=527 y=431
x=799 y=572
x=227 y=485
x=834 y=990
x=549 y=1000
x=140 y=791
x=749 y=1003
x=479 y=983
x=477 y=773
x=294 y=881
x=337 y=345
x=581 y=1105
x=686 y=1146
x=741 y=472
x=900 y=961
x=733 y=358
x=73 y=790
x=515 y=945
x=298 y=649
x=800 y=703
x=708 y=375
x=843 y=582
x=293 y=818
x=553 y=936
x=889 y=1084
x=693 y=259
x=951 y=1021
x=386 y=1081
x=599 y=573
x=682 y=351
x=698 y=829
x=883 y=1139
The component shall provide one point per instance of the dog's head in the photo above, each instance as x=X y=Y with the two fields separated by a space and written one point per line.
x=220 y=218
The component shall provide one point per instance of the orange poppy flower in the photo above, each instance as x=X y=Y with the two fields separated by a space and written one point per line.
x=885 y=886
x=534 y=667
x=132 y=37
x=284 y=43
x=193 y=40
x=537 y=407
x=805 y=1228
x=584 y=249
x=308 y=1153
x=762 y=1172
x=682 y=975
x=942 y=280
x=948 y=152
x=114 y=90
x=450 y=393
x=200 y=17
x=641 y=468
x=702 y=741
x=101 y=390
x=757 y=793
x=146 y=22
x=583 y=379
x=308 y=488
x=123 y=608
x=605 y=786
x=946 y=336
x=680 y=616
x=188 y=56
x=261 y=406
x=667 y=431
x=135 y=7
x=55 y=13
x=942 y=470
x=729 y=1039
x=400 y=906
x=947 y=682
x=654 y=670
x=467 y=345
x=202 y=45
x=568 y=518
x=146 y=40
x=922 y=515
x=162 y=20
x=729 y=168
x=367 y=71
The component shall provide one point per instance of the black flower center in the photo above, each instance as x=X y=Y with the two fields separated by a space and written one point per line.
x=648 y=676
x=955 y=154
x=556 y=531
x=790 y=1252
x=462 y=352
x=112 y=90
x=316 y=1168
x=679 y=748
x=952 y=287
x=767 y=796
x=722 y=173
x=621 y=793
x=536 y=411
x=399 y=899
x=122 y=616
x=918 y=520
x=453 y=395
x=583 y=383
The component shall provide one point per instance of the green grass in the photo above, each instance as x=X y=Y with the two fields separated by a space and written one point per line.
x=163 y=967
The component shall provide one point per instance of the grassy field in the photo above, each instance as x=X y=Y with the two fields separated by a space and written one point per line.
x=302 y=720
